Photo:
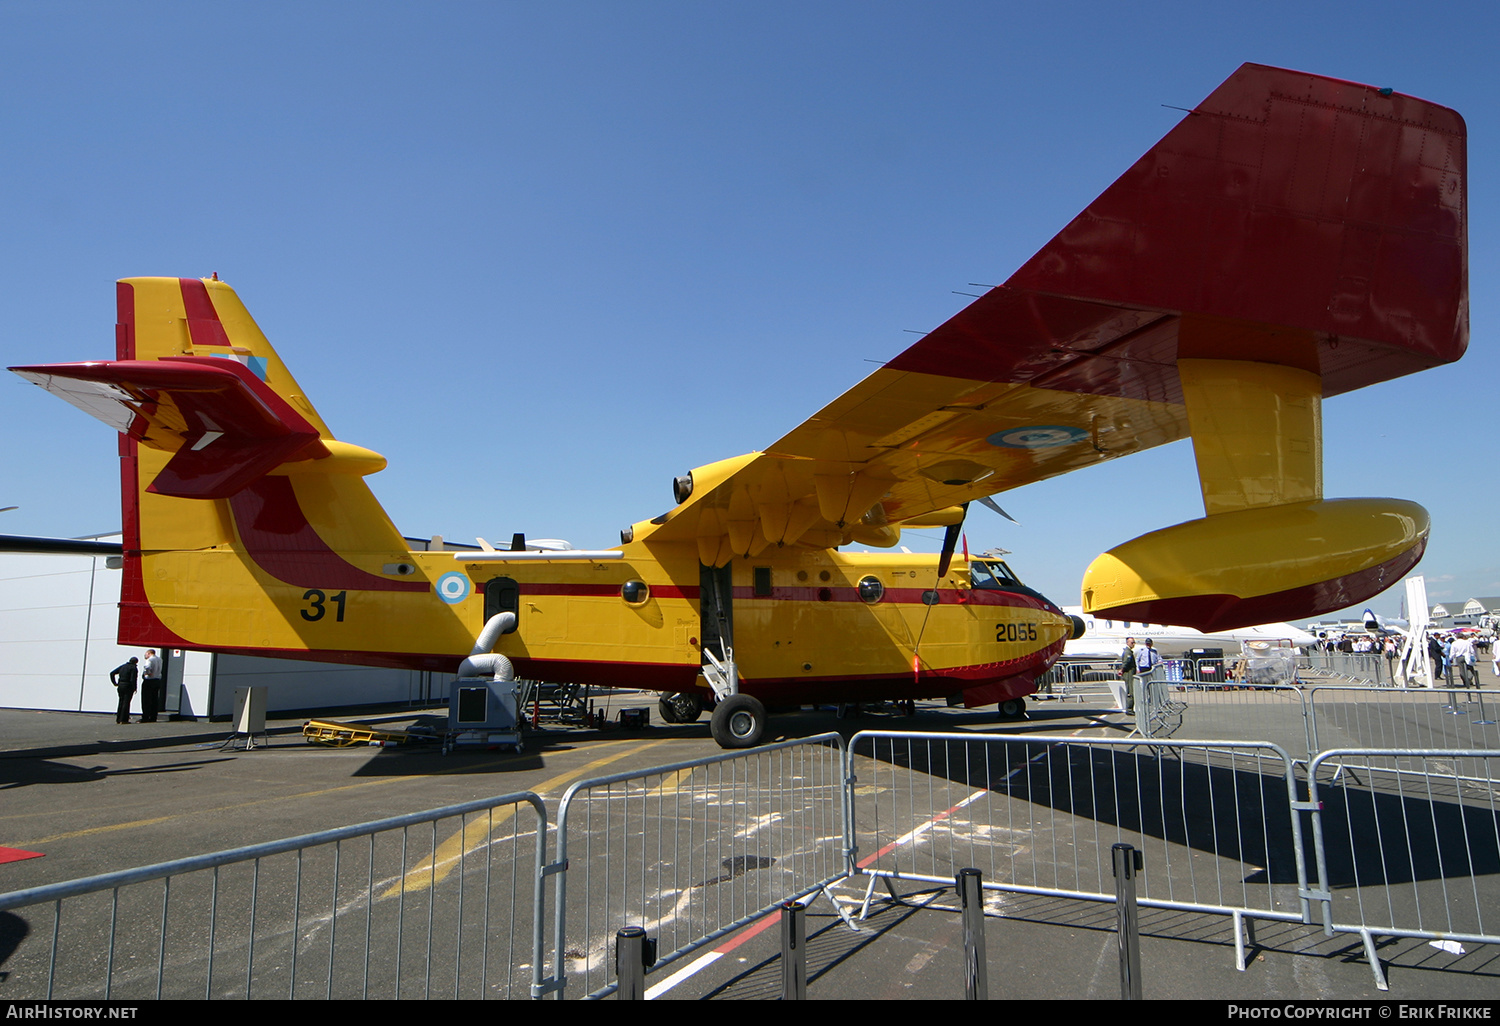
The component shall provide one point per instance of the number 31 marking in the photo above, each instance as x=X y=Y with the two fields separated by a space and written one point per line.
x=316 y=609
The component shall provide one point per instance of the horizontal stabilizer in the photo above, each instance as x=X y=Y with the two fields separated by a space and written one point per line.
x=59 y=546
x=225 y=427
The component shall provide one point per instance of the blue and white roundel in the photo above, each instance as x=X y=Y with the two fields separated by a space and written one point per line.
x=1043 y=436
x=453 y=587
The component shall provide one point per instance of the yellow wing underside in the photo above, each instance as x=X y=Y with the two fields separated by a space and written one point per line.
x=904 y=448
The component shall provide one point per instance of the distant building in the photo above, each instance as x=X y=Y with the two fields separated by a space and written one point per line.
x=58 y=622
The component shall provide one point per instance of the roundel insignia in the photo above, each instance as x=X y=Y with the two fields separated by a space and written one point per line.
x=453 y=587
x=1042 y=436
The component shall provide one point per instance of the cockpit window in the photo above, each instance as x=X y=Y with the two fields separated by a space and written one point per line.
x=991 y=573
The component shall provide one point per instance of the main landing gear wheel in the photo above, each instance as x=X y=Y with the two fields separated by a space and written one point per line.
x=679 y=707
x=1013 y=709
x=738 y=722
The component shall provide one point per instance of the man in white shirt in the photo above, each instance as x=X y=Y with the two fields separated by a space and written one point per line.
x=1146 y=657
x=153 y=688
x=1462 y=656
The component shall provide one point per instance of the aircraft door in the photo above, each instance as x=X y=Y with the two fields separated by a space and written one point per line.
x=502 y=594
x=716 y=609
x=171 y=671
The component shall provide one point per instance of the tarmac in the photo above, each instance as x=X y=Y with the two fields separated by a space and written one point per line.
x=92 y=796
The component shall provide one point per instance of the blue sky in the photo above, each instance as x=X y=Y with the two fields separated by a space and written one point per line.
x=545 y=256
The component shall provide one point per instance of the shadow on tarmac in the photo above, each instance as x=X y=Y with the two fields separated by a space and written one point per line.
x=26 y=772
x=1372 y=837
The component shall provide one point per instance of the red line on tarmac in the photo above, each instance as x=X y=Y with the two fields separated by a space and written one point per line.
x=898 y=842
x=763 y=924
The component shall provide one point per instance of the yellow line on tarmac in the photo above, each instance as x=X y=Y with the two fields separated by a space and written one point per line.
x=477 y=832
x=669 y=783
x=135 y=823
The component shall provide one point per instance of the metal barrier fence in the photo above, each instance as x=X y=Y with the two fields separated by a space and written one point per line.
x=451 y=902
x=1368 y=666
x=1091 y=680
x=432 y=904
x=1307 y=719
x=1407 y=852
x=1261 y=712
x=1157 y=711
x=1039 y=815
x=1421 y=718
x=692 y=851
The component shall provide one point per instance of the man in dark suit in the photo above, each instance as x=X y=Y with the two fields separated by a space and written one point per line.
x=123 y=677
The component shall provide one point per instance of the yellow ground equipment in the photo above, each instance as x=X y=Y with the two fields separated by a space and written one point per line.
x=333 y=734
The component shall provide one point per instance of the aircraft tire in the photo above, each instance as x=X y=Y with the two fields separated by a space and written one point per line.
x=679 y=707
x=738 y=722
x=1013 y=709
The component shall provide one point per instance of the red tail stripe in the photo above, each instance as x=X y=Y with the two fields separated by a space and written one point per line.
x=277 y=536
x=203 y=320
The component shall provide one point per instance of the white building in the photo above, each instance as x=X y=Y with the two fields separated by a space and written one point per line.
x=58 y=622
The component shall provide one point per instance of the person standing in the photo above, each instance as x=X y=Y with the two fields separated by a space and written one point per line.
x=123 y=677
x=1127 y=673
x=1146 y=658
x=1462 y=656
x=153 y=688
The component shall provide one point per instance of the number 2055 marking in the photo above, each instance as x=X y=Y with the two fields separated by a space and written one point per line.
x=1015 y=632
x=316 y=607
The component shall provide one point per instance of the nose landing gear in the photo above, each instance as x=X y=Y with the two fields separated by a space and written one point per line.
x=738 y=722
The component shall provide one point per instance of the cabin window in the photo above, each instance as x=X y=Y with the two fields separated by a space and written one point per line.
x=762 y=582
x=991 y=574
x=635 y=592
x=871 y=590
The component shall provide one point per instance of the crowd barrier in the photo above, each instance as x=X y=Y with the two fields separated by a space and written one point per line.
x=1371 y=667
x=456 y=902
x=692 y=851
x=1403 y=718
x=432 y=904
x=1040 y=815
x=1408 y=851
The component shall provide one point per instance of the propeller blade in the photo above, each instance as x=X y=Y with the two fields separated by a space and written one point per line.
x=950 y=542
x=990 y=503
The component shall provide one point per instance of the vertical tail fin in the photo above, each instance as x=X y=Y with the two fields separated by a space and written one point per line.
x=231 y=483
